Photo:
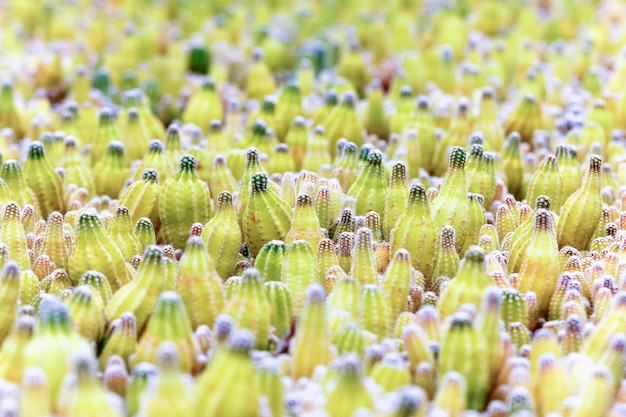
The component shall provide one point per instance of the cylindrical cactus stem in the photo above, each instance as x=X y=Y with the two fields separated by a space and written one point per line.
x=312 y=341
x=250 y=308
x=184 y=199
x=461 y=349
x=281 y=306
x=199 y=284
x=299 y=271
x=363 y=266
x=582 y=210
x=94 y=250
x=397 y=281
x=123 y=340
x=417 y=231
x=140 y=295
x=169 y=322
x=43 y=180
x=222 y=235
x=267 y=217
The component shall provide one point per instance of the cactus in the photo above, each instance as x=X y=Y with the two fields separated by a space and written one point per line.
x=141 y=197
x=582 y=210
x=468 y=285
x=416 y=231
x=312 y=341
x=267 y=217
x=169 y=390
x=370 y=187
x=213 y=395
x=121 y=231
x=349 y=392
x=451 y=205
x=168 y=322
x=463 y=360
x=95 y=251
x=54 y=346
x=199 y=284
x=184 y=200
x=140 y=295
x=43 y=180
x=299 y=271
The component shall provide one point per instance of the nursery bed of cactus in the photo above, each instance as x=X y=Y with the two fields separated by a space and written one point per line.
x=322 y=208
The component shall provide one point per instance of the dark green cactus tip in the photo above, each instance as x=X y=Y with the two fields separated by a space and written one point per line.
x=106 y=115
x=375 y=157
x=155 y=146
x=208 y=84
x=292 y=87
x=457 y=157
x=36 y=150
x=215 y=126
x=150 y=175
x=7 y=86
x=92 y=276
x=514 y=139
x=331 y=98
x=268 y=105
x=543 y=202
x=460 y=320
x=398 y=170
x=417 y=193
x=422 y=103
x=476 y=151
x=475 y=254
x=348 y=99
x=259 y=128
x=145 y=222
x=188 y=163
x=259 y=182
x=406 y=91
x=241 y=342
x=116 y=148
x=365 y=151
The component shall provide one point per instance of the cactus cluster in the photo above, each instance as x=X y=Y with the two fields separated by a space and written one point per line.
x=409 y=208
